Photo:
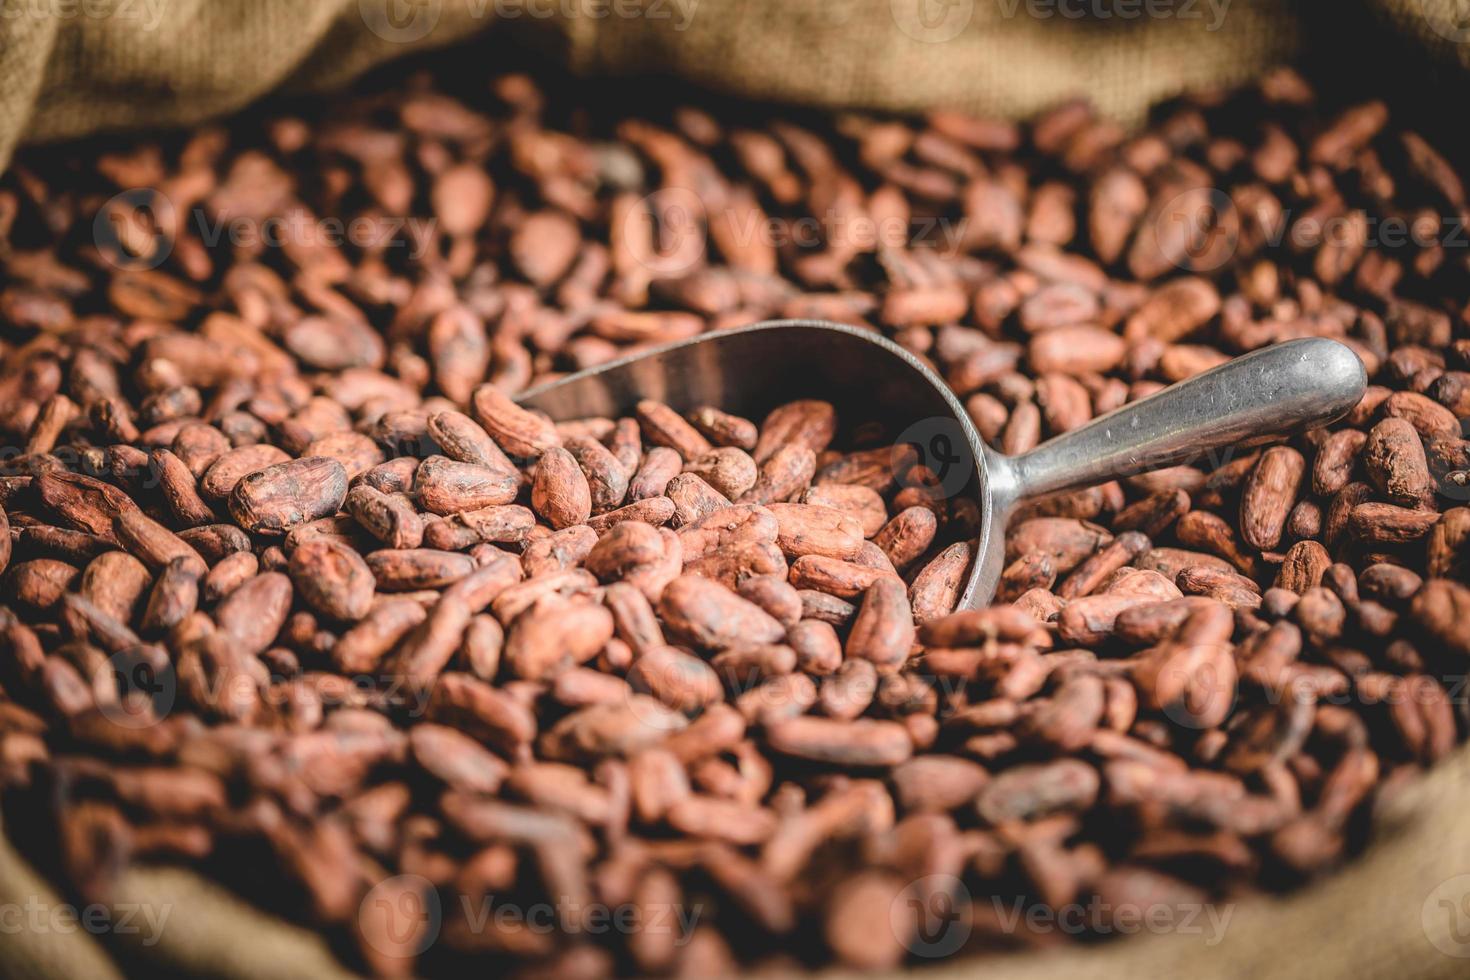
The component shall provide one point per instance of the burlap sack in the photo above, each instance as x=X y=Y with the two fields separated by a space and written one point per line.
x=74 y=67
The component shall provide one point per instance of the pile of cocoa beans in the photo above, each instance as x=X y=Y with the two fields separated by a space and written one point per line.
x=295 y=594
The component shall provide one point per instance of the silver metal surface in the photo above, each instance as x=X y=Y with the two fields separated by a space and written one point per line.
x=880 y=388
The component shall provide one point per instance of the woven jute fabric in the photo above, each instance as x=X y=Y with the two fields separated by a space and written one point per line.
x=71 y=68
x=74 y=67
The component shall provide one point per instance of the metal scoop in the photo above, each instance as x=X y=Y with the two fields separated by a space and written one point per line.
x=874 y=382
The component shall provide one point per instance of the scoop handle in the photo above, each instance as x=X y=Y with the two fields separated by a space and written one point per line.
x=1270 y=392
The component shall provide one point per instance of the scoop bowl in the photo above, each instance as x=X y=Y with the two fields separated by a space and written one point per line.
x=878 y=386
